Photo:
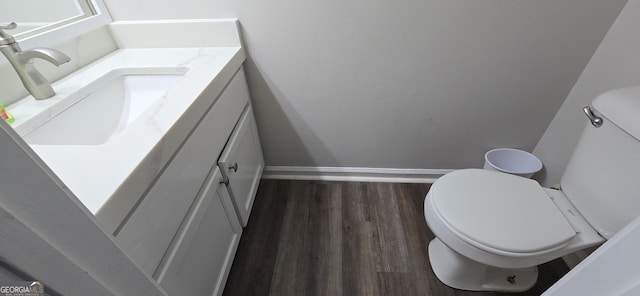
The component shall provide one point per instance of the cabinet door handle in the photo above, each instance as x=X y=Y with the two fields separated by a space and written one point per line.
x=234 y=167
x=225 y=181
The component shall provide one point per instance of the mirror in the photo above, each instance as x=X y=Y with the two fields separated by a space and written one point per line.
x=46 y=22
x=36 y=16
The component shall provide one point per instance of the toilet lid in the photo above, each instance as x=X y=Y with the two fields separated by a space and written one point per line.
x=500 y=211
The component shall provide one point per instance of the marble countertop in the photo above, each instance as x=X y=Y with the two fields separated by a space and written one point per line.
x=109 y=178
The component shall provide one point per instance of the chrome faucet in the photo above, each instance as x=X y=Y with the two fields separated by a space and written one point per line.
x=22 y=62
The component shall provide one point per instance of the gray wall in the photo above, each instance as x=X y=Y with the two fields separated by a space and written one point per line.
x=412 y=84
x=615 y=64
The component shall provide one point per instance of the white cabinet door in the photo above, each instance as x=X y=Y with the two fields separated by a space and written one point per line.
x=200 y=258
x=241 y=164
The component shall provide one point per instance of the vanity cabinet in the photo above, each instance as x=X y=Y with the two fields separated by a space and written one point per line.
x=185 y=230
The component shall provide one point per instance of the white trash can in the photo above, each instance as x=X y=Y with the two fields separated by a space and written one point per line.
x=512 y=161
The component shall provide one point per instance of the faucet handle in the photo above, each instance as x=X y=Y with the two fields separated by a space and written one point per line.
x=6 y=38
x=9 y=26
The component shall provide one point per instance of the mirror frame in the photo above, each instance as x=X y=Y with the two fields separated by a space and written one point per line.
x=68 y=31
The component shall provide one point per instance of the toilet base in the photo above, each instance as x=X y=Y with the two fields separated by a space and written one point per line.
x=459 y=272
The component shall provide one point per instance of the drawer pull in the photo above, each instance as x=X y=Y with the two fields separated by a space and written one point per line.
x=225 y=181
x=234 y=167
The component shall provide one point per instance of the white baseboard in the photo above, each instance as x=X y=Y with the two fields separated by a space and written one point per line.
x=353 y=174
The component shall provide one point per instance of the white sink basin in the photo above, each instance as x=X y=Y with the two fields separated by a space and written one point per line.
x=106 y=106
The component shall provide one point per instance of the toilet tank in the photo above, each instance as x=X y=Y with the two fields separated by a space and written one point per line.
x=602 y=179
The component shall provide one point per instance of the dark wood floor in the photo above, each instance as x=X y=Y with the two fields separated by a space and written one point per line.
x=343 y=238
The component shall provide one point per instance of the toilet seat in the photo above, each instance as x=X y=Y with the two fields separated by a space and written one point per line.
x=499 y=213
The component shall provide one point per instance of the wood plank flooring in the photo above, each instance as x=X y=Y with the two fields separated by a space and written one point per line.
x=343 y=238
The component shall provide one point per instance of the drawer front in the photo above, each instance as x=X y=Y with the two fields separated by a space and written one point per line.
x=200 y=259
x=242 y=164
x=148 y=232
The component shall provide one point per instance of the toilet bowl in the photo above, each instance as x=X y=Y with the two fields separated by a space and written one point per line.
x=494 y=229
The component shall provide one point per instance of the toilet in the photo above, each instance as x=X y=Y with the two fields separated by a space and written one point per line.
x=492 y=229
